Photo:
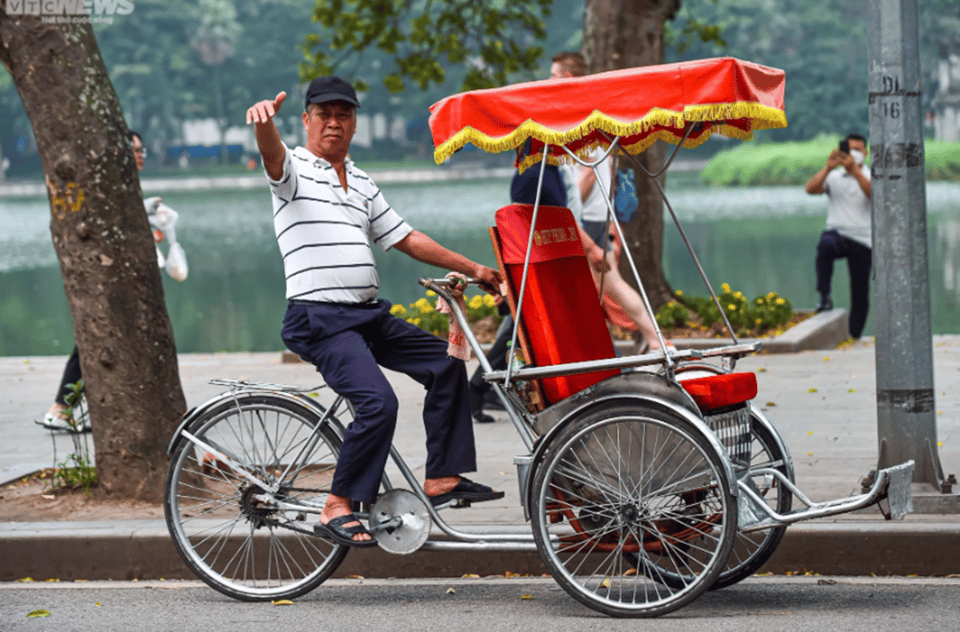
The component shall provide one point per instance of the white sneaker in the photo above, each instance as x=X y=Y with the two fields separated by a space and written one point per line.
x=56 y=422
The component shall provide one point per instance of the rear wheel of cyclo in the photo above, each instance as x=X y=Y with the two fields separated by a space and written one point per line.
x=230 y=539
x=752 y=550
x=633 y=482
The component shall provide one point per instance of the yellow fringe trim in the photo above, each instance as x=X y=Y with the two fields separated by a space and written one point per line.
x=764 y=117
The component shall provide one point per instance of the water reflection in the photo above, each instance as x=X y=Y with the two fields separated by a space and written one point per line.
x=757 y=240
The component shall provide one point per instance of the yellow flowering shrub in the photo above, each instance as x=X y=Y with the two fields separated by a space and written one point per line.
x=761 y=315
x=423 y=312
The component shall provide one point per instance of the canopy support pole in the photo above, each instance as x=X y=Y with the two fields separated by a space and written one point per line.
x=683 y=234
x=526 y=267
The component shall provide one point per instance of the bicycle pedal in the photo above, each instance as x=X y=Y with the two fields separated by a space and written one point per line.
x=456 y=503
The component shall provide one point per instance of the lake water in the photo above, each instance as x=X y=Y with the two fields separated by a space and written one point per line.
x=756 y=239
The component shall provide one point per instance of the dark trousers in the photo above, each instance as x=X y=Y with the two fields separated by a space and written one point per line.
x=598 y=231
x=348 y=344
x=71 y=375
x=497 y=357
x=859 y=258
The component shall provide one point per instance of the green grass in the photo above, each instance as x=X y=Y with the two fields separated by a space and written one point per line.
x=793 y=163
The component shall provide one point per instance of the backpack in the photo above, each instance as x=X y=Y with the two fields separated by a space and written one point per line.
x=625 y=200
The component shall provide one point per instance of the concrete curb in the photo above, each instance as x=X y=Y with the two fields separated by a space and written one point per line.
x=825 y=330
x=143 y=549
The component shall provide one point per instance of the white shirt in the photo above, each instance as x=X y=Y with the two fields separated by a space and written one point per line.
x=569 y=173
x=848 y=211
x=324 y=232
x=595 y=204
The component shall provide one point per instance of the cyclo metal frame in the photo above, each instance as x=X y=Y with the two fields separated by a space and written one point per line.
x=639 y=391
x=756 y=514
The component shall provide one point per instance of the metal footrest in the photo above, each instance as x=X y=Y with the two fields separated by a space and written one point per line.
x=892 y=484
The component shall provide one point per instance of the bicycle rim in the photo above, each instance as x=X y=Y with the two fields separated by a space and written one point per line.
x=240 y=545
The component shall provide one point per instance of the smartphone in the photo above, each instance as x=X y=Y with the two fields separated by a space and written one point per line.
x=845 y=146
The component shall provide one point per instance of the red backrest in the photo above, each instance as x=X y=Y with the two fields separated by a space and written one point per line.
x=562 y=316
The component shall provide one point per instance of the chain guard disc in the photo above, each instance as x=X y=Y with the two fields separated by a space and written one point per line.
x=414 y=528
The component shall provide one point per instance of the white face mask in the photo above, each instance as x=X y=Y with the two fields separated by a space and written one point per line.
x=858 y=156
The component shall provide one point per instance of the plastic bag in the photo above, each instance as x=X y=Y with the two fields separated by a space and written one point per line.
x=176 y=265
x=163 y=219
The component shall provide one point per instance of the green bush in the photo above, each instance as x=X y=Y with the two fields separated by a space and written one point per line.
x=761 y=315
x=672 y=315
x=423 y=312
x=793 y=163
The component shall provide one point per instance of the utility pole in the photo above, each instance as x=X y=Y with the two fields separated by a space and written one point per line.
x=906 y=421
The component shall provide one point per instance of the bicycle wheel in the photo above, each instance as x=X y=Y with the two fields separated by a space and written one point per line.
x=752 y=550
x=631 y=480
x=228 y=529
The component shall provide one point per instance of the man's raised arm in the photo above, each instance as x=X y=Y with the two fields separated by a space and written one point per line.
x=271 y=148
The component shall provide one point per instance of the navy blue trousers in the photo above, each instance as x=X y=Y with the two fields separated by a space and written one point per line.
x=348 y=344
x=833 y=246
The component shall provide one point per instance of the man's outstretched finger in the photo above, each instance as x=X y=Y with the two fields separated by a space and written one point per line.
x=264 y=111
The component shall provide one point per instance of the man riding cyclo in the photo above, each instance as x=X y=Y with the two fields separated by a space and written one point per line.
x=326 y=213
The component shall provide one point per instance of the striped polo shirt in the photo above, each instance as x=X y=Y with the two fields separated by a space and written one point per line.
x=324 y=232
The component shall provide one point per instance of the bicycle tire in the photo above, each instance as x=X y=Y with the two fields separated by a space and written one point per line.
x=228 y=537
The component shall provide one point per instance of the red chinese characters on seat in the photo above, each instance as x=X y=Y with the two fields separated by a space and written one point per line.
x=561 y=311
x=718 y=391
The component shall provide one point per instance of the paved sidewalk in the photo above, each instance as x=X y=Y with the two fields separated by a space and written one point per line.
x=823 y=403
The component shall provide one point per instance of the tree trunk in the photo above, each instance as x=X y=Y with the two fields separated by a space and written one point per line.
x=626 y=34
x=104 y=246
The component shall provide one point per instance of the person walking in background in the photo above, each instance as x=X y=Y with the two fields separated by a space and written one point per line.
x=848 y=228
x=162 y=221
x=586 y=189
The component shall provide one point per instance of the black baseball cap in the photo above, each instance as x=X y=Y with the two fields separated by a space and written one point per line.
x=331 y=88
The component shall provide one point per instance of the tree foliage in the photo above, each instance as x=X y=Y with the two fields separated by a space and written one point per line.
x=162 y=81
x=492 y=39
x=822 y=46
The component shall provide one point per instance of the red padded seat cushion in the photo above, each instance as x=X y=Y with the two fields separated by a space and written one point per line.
x=718 y=391
x=561 y=311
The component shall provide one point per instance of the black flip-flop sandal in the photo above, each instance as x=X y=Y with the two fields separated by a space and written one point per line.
x=467 y=491
x=334 y=530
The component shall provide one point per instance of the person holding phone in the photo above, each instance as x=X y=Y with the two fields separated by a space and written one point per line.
x=848 y=234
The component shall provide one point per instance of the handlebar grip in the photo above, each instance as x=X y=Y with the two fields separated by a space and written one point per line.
x=444 y=282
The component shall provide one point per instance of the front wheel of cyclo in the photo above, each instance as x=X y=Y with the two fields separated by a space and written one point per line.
x=224 y=526
x=628 y=482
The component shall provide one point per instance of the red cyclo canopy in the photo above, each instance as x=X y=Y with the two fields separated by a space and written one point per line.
x=643 y=105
